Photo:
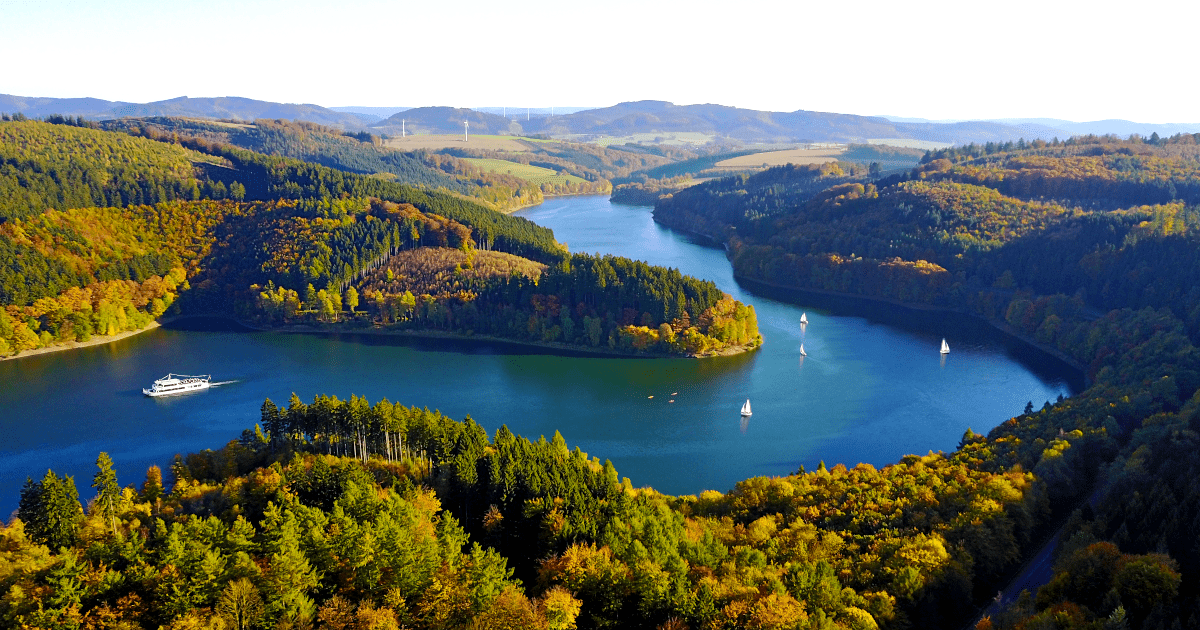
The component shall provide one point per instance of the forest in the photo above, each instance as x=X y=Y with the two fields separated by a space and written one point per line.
x=360 y=153
x=1084 y=246
x=278 y=241
x=65 y=166
x=606 y=304
x=353 y=514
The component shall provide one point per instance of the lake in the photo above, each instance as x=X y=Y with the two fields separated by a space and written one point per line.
x=873 y=387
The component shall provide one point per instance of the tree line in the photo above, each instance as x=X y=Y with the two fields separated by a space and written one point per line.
x=610 y=303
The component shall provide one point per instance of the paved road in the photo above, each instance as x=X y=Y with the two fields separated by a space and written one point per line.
x=1037 y=571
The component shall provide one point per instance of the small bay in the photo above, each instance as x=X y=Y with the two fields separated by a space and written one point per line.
x=872 y=388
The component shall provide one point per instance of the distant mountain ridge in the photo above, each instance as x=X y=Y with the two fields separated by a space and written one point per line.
x=754 y=126
x=225 y=107
x=1066 y=128
x=722 y=122
x=447 y=120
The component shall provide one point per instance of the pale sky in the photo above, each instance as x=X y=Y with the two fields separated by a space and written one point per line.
x=940 y=59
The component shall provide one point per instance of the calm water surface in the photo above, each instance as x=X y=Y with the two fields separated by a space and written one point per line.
x=871 y=389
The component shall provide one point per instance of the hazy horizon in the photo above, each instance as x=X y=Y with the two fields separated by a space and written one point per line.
x=564 y=109
x=771 y=56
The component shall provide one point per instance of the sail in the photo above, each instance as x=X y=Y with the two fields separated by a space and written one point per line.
x=803 y=318
x=802 y=352
x=945 y=347
x=746 y=408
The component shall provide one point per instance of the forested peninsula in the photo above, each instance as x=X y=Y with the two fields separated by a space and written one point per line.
x=102 y=232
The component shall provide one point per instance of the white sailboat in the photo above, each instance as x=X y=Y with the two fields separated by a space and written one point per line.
x=746 y=408
x=802 y=352
x=803 y=318
x=945 y=347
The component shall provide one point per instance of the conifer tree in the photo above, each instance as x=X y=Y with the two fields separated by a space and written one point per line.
x=109 y=492
x=50 y=510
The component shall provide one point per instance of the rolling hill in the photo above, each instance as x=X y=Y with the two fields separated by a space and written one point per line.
x=225 y=107
x=707 y=122
x=754 y=126
x=442 y=120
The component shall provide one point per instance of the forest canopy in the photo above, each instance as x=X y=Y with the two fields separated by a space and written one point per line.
x=285 y=242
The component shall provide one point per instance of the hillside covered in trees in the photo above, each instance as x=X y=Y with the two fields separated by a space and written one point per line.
x=212 y=228
x=1086 y=246
x=354 y=152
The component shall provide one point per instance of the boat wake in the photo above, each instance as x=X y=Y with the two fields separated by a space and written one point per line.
x=221 y=383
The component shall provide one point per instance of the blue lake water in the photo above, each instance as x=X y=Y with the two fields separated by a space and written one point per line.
x=872 y=388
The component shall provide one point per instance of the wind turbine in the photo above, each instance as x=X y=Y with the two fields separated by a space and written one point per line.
x=465 y=137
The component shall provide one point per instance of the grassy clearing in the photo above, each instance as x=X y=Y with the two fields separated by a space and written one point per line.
x=436 y=142
x=532 y=174
x=779 y=158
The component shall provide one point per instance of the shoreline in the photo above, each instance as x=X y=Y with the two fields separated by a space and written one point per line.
x=565 y=349
x=546 y=198
x=999 y=325
x=96 y=340
x=305 y=329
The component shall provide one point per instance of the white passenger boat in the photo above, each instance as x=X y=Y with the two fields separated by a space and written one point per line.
x=178 y=384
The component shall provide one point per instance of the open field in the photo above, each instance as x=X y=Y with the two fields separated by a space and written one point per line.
x=909 y=143
x=779 y=158
x=666 y=137
x=532 y=174
x=434 y=142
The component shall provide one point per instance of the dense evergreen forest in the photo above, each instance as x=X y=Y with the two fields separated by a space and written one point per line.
x=1086 y=246
x=280 y=241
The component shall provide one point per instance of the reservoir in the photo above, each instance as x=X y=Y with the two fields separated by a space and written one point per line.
x=873 y=387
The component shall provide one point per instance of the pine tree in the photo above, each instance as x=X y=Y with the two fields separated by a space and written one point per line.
x=109 y=492
x=272 y=421
x=50 y=510
x=30 y=510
